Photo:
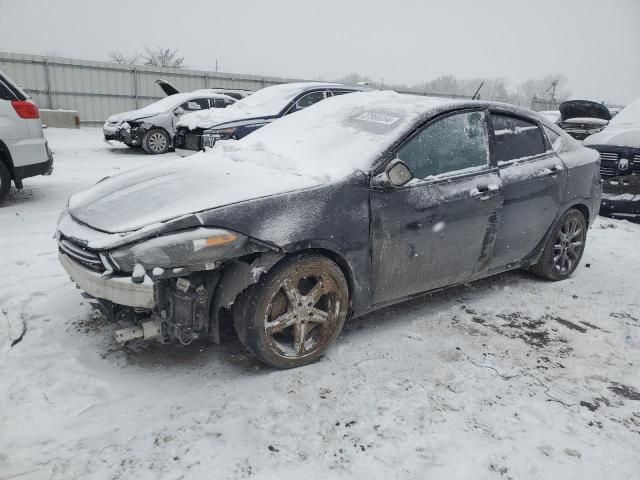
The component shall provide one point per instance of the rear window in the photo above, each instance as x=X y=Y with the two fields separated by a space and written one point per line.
x=8 y=91
x=516 y=138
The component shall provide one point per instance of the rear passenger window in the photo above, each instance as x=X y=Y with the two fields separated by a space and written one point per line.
x=453 y=144
x=516 y=138
x=5 y=93
x=219 y=103
x=309 y=99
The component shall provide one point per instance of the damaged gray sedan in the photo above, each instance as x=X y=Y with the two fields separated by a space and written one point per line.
x=152 y=127
x=358 y=202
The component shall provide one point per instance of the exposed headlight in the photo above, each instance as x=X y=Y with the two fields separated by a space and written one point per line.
x=210 y=137
x=199 y=247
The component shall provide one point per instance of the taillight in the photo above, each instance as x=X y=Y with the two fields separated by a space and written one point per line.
x=25 y=109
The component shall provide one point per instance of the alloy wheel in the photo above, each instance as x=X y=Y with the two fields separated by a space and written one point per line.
x=303 y=313
x=568 y=245
x=157 y=142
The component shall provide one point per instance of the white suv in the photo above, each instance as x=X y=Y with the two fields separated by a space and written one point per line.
x=24 y=151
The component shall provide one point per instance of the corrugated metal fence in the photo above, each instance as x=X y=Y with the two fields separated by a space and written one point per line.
x=99 y=89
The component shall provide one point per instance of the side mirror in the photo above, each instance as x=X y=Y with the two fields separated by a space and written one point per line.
x=398 y=173
x=178 y=111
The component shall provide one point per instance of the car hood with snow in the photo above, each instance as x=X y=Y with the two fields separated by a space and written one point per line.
x=622 y=131
x=151 y=110
x=317 y=149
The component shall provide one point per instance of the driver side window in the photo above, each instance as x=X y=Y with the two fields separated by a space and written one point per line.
x=306 y=101
x=454 y=143
x=195 y=105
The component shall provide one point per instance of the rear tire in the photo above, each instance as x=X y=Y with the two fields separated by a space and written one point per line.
x=563 y=248
x=156 y=141
x=5 y=181
x=295 y=312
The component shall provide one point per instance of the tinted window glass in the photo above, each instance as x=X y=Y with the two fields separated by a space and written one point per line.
x=220 y=102
x=454 y=143
x=516 y=138
x=5 y=93
x=310 y=99
x=196 y=104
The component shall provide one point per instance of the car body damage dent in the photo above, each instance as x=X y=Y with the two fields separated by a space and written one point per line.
x=234 y=279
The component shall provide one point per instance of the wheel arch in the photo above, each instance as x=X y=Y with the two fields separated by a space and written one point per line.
x=535 y=255
x=582 y=208
x=240 y=274
x=5 y=156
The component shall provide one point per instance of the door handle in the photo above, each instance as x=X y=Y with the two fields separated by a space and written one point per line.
x=484 y=192
x=552 y=171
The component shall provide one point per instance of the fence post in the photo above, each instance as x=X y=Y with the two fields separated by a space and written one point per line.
x=47 y=81
x=206 y=80
x=135 y=86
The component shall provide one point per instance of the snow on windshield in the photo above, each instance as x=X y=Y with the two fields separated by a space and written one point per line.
x=629 y=114
x=166 y=103
x=267 y=102
x=333 y=138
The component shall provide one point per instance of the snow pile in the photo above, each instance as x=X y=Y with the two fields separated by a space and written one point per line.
x=267 y=102
x=629 y=115
x=622 y=131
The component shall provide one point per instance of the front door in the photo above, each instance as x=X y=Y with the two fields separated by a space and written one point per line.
x=533 y=181
x=434 y=231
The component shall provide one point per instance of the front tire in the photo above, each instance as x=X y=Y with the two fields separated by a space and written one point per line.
x=295 y=312
x=5 y=181
x=156 y=141
x=563 y=248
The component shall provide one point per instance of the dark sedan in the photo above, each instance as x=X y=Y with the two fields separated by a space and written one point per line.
x=196 y=131
x=356 y=203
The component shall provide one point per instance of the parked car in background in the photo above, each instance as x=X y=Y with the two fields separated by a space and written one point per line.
x=357 y=203
x=619 y=147
x=236 y=93
x=196 y=131
x=152 y=127
x=24 y=152
x=581 y=118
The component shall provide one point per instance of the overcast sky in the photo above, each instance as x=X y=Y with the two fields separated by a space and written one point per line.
x=594 y=43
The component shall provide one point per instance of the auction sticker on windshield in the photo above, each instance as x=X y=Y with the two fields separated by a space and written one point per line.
x=374 y=117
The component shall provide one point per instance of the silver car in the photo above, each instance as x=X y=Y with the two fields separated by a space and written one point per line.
x=152 y=127
x=24 y=151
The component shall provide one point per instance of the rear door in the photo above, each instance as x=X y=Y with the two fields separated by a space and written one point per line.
x=534 y=180
x=436 y=230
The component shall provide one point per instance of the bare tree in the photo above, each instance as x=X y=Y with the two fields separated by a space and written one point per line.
x=163 y=57
x=116 y=56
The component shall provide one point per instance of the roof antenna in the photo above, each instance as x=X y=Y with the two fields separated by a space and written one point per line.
x=476 y=96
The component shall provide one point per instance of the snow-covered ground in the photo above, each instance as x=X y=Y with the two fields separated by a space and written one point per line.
x=511 y=377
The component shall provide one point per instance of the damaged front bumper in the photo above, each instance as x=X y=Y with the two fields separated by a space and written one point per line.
x=124 y=132
x=116 y=289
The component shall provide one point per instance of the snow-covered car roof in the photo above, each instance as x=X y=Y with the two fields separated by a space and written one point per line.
x=266 y=102
x=334 y=137
x=172 y=101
